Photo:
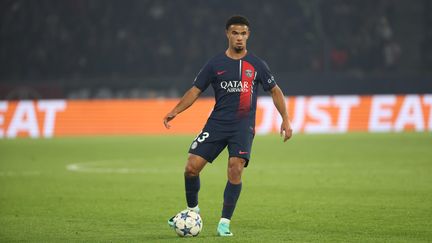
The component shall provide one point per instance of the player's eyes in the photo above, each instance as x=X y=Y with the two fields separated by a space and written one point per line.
x=237 y=33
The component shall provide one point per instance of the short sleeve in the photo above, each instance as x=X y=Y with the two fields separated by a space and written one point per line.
x=266 y=77
x=204 y=77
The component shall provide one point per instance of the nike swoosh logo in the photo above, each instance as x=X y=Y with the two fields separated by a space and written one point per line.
x=221 y=72
x=242 y=152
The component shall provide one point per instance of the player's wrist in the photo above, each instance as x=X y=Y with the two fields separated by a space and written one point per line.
x=174 y=112
x=285 y=118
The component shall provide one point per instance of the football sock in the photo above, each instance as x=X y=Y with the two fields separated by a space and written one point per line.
x=195 y=209
x=231 y=194
x=224 y=221
x=192 y=186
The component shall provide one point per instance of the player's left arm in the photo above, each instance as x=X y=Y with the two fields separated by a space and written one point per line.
x=279 y=102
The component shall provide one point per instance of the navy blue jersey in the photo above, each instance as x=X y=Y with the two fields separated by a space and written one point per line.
x=235 y=84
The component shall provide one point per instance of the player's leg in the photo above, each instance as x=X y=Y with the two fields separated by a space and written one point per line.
x=235 y=169
x=231 y=193
x=205 y=148
x=239 y=147
x=193 y=167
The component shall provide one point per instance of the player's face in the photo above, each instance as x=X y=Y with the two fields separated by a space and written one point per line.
x=237 y=37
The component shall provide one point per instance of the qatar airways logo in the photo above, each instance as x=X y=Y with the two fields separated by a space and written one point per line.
x=235 y=86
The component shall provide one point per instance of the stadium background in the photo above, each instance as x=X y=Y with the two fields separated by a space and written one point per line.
x=81 y=71
x=87 y=50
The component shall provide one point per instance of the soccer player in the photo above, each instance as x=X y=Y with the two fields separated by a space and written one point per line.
x=235 y=76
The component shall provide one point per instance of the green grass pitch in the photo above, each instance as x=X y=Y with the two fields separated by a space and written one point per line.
x=314 y=188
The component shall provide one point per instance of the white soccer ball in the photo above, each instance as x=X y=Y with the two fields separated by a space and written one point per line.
x=188 y=223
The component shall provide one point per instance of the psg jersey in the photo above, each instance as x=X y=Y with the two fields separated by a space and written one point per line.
x=235 y=84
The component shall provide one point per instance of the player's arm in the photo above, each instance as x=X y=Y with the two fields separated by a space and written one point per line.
x=279 y=102
x=186 y=101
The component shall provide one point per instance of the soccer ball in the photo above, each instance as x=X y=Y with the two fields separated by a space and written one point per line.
x=188 y=223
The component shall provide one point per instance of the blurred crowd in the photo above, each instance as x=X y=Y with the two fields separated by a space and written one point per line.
x=48 y=39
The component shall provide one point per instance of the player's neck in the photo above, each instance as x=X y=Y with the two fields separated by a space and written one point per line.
x=235 y=55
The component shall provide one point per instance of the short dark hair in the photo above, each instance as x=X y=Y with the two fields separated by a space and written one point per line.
x=237 y=19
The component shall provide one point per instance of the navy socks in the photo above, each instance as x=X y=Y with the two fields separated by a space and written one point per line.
x=231 y=194
x=192 y=186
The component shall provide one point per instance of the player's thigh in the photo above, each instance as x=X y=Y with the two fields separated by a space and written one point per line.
x=240 y=146
x=208 y=145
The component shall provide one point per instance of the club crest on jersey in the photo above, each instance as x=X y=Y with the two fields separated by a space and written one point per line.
x=235 y=86
x=248 y=73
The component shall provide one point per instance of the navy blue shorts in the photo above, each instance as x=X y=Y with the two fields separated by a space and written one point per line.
x=211 y=141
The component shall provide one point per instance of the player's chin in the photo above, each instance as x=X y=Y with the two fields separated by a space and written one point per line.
x=238 y=48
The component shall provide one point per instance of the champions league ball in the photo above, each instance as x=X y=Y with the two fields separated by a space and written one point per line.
x=188 y=223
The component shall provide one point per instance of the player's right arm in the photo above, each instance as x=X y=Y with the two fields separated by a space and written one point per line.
x=200 y=84
x=186 y=101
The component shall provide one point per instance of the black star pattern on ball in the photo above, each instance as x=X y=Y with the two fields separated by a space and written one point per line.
x=186 y=230
x=198 y=222
x=184 y=215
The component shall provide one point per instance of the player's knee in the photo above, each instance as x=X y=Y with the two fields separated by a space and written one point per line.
x=194 y=165
x=191 y=170
x=235 y=170
x=234 y=176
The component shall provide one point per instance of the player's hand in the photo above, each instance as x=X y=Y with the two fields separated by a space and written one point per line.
x=171 y=115
x=286 y=130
